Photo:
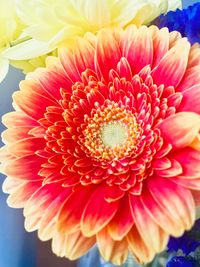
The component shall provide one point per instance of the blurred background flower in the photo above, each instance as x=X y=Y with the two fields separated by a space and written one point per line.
x=48 y=23
x=10 y=29
x=181 y=261
x=188 y=242
x=185 y=21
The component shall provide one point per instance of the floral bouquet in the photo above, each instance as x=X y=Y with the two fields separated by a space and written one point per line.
x=102 y=150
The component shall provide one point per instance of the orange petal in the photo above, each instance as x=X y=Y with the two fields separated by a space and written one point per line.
x=19 y=197
x=72 y=209
x=38 y=203
x=194 y=56
x=111 y=250
x=139 y=249
x=122 y=222
x=152 y=235
x=71 y=246
x=180 y=129
x=10 y=184
x=49 y=83
x=77 y=245
x=58 y=244
x=33 y=86
x=196 y=196
x=47 y=225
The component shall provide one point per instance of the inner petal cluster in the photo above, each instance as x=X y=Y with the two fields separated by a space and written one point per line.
x=111 y=133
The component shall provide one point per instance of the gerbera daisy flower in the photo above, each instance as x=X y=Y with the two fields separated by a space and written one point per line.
x=49 y=22
x=103 y=146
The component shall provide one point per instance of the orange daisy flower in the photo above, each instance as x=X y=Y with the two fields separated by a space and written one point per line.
x=103 y=146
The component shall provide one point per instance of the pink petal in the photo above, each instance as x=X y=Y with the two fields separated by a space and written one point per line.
x=38 y=203
x=122 y=222
x=97 y=213
x=18 y=119
x=19 y=197
x=160 y=164
x=113 y=193
x=188 y=183
x=176 y=200
x=25 y=147
x=47 y=225
x=84 y=55
x=25 y=168
x=191 y=99
x=180 y=129
x=72 y=209
x=134 y=41
x=108 y=53
x=160 y=45
x=124 y=69
x=174 y=170
x=150 y=232
x=67 y=60
x=30 y=103
x=189 y=159
x=172 y=67
x=191 y=78
x=160 y=215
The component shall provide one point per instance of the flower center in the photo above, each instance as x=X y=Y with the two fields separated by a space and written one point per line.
x=113 y=134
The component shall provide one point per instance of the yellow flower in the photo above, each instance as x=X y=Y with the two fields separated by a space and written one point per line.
x=10 y=28
x=31 y=64
x=51 y=22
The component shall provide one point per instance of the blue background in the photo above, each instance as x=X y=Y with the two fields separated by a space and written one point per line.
x=18 y=248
